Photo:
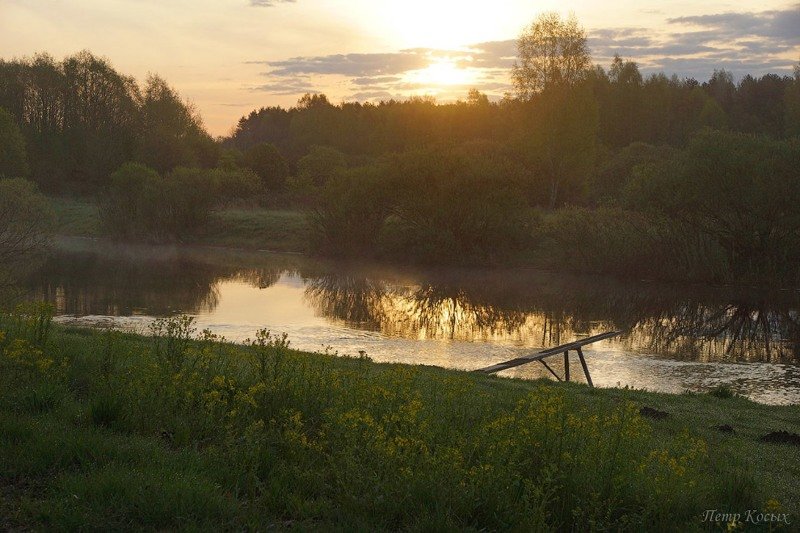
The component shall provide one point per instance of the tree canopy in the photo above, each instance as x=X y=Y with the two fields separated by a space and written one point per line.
x=551 y=52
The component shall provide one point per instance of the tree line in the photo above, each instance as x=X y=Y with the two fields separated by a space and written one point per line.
x=656 y=175
x=81 y=120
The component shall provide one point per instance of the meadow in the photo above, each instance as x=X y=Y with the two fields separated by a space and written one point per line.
x=178 y=429
x=253 y=228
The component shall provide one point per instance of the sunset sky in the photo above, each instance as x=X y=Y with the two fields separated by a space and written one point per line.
x=231 y=56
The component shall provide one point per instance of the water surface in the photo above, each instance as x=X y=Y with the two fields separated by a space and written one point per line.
x=677 y=337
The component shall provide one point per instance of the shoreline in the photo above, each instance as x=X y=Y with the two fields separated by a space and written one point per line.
x=727 y=428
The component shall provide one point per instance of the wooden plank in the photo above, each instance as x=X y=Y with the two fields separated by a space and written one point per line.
x=566 y=365
x=547 y=353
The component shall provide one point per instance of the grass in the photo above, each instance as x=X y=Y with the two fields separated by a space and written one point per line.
x=259 y=229
x=182 y=431
x=76 y=217
x=263 y=229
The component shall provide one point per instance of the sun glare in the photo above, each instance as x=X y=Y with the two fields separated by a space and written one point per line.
x=442 y=72
x=443 y=24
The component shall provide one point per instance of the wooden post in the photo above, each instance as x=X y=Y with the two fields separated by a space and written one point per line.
x=566 y=365
x=585 y=368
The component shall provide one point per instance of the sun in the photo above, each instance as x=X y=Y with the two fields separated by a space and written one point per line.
x=442 y=73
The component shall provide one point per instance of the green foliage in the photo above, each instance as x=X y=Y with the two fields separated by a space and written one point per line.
x=740 y=190
x=182 y=431
x=141 y=205
x=26 y=221
x=628 y=243
x=351 y=213
x=454 y=206
x=81 y=120
x=235 y=185
x=320 y=165
x=266 y=161
x=722 y=392
x=617 y=171
x=553 y=54
x=13 y=157
x=172 y=132
x=132 y=207
x=792 y=105
x=559 y=142
x=446 y=205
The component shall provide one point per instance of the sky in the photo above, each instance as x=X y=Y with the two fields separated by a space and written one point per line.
x=229 y=57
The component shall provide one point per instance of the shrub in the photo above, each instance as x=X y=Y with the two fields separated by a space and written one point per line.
x=266 y=161
x=234 y=185
x=320 y=164
x=741 y=191
x=350 y=214
x=26 y=219
x=133 y=205
x=13 y=158
x=628 y=243
x=141 y=205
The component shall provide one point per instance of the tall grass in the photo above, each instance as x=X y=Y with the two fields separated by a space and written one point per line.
x=256 y=435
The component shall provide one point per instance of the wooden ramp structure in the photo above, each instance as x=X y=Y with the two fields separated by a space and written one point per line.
x=563 y=348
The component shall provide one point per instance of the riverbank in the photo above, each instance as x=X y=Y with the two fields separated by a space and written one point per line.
x=114 y=430
x=279 y=230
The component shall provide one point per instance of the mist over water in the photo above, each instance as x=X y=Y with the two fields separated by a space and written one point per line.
x=677 y=337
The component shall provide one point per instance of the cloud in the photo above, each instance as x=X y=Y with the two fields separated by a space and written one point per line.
x=351 y=64
x=287 y=86
x=269 y=3
x=689 y=46
x=779 y=25
x=695 y=46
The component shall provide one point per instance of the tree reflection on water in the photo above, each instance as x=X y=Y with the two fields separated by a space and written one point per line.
x=522 y=307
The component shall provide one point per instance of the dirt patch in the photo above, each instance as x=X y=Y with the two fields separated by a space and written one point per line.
x=781 y=437
x=655 y=414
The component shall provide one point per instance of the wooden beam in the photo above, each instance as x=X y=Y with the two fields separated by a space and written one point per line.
x=585 y=367
x=550 y=369
x=547 y=353
x=566 y=365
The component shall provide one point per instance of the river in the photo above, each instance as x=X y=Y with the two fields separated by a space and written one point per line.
x=676 y=337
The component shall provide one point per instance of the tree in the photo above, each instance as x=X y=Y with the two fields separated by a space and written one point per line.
x=320 y=164
x=792 y=105
x=172 y=133
x=266 y=161
x=13 y=160
x=552 y=52
x=560 y=141
x=25 y=220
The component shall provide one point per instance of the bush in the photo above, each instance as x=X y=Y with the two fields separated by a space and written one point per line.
x=741 y=191
x=320 y=165
x=444 y=205
x=133 y=206
x=26 y=221
x=234 y=185
x=13 y=158
x=350 y=214
x=628 y=243
x=266 y=161
x=141 y=205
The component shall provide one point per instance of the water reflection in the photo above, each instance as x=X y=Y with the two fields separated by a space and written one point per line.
x=540 y=309
x=521 y=308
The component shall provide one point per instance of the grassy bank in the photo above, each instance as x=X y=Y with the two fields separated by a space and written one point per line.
x=251 y=229
x=109 y=430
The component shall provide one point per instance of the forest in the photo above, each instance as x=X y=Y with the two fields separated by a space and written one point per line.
x=580 y=167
